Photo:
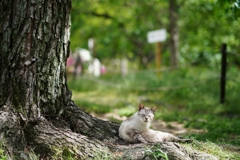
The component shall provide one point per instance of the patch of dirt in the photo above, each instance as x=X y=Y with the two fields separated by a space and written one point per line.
x=175 y=128
x=109 y=116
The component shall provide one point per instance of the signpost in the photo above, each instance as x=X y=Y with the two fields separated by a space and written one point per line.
x=157 y=36
x=91 y=45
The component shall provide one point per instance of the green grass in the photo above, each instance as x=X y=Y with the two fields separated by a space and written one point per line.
x=214 y=149
x=187 y=95
x=156 y=153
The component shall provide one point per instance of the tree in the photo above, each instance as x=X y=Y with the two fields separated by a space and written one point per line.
x=200 y=42
x=173 y=30
x=36 y=110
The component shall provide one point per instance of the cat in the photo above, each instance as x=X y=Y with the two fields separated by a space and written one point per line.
x=136 y=128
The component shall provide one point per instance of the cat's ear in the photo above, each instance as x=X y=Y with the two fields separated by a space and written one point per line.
x=141 y=106
x=153 y=109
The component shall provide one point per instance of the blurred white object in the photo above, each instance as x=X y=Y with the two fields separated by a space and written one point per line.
x=84 y=54
x=95 y=67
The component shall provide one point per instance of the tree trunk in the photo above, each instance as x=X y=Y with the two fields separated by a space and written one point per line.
x=34 y=49
x=173 y=29
x=36 y=110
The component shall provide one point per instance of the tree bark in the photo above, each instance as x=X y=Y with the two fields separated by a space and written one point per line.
x=173 y=29
x=36 y=110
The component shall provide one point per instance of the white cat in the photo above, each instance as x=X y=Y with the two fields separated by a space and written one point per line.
x=136 y=128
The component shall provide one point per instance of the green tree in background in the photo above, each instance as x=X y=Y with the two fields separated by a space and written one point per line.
x=205 y=29
x=120 y=28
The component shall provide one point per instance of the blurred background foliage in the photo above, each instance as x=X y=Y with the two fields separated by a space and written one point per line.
x=120 y=28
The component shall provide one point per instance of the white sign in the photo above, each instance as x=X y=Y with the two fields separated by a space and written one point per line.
x=157 y=36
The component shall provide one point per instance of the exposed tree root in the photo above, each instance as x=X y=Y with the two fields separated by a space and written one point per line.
x=86 y=137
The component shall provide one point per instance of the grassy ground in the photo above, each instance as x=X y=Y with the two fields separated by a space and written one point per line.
x=188 y=96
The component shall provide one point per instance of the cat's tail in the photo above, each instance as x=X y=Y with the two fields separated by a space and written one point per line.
x=183 y=140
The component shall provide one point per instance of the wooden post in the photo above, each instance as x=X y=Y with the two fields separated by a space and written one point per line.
x=124 y=66
x=158 y=55
x=91 y=46
x=223 y=73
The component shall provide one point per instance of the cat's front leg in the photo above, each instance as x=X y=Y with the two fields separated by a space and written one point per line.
x=134 y=134
x=140 y=138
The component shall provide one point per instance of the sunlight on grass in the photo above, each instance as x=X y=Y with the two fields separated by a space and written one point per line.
x=212 y=148
x=127 y=111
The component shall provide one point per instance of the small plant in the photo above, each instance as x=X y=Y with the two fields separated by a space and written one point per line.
x=3 y=155
x=156 y=152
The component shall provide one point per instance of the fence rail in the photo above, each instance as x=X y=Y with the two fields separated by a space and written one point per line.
x=165 y=88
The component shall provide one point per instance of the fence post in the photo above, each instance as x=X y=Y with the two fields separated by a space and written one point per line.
x=158 y=57
x=223 y=73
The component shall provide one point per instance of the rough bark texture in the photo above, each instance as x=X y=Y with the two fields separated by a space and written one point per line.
x=173 y=29
x=34 y=48
x=36 y=110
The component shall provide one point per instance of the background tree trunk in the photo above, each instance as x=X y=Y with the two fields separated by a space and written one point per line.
x=36 y=111
x=174 y=35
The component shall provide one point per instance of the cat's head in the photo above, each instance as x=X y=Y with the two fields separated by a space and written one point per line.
x=146 y=114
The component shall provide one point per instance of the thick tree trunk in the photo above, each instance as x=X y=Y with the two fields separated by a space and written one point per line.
x=173 y=29
x=36 y=110
x=34 y=48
